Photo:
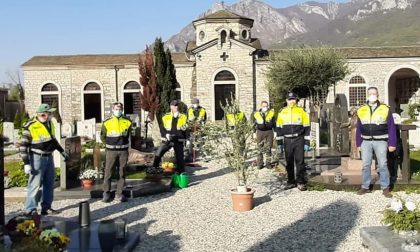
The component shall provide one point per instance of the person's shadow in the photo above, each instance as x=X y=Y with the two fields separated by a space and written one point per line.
x=320 y=230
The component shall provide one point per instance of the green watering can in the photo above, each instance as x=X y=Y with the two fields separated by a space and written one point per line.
x=180 y=180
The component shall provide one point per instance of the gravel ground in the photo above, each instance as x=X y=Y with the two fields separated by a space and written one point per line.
x=199 y=218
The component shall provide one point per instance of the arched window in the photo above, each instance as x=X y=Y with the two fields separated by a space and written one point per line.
x=132 y=98
x=92 y=102
x=223 y=36
x=357 y=91
x=51 y=95
x=224 y=76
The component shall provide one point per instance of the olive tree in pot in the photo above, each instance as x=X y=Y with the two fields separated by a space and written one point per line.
x=231 y=140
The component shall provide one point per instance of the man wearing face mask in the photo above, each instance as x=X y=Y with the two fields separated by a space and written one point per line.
x=174 y=132
x=375 y=132
x=37 y=144
x=263 y=122
x=197 y=117
x=293 y=128
x=115 y=133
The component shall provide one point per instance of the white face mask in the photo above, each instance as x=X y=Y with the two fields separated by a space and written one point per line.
x=195 y=106
x=117 y=113
x=372 y=98
x=264 y=109
x=175 y=114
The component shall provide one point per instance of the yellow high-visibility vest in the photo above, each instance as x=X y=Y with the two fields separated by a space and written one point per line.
x=260 y=120
x=200 y=117
x=233 y=119
x=181 y=124
x=117 y=132
x=374 y=125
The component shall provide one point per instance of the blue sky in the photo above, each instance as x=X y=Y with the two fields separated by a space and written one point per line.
x=57 y=27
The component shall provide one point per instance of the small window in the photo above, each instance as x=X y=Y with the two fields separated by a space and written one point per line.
x=244 y=34
x=201 y=35
x=223 y=36
x=357 y=96
x=224 y=76
x=92 y=86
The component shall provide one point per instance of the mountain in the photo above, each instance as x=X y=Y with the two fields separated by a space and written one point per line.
x=355 y=23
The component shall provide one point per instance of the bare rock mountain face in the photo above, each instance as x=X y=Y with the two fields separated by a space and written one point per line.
x=275 y=26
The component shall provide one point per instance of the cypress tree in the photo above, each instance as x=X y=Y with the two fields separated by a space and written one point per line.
x=160 y=70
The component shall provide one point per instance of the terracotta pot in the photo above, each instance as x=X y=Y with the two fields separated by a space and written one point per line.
x=242 y=201
x=168 y=170
x=87 y=183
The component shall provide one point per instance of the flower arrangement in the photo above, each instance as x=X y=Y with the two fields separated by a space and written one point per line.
x=402 y=215
x=26 y=235
x=88 y=174
x=168 y=165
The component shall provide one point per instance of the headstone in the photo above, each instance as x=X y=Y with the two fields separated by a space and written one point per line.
x=339 y=120
x=135 y=119
x=86 y=128
x=67 y=129
x=9 y=131
x=404 y=110
x=98 y=137
x=70 y=170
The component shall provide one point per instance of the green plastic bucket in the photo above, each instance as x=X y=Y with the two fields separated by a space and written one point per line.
x=183 y=180
x=175 y=180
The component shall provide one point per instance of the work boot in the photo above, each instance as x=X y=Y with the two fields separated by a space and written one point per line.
x=363 y=191
x=121 y=198
x=302 y=187
x=289 y=186
x=106 y=197
x=268 y=165
x=49 y=211
x=387 y=193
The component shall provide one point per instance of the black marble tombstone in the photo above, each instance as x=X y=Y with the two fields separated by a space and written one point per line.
x=340 y=141
x=70 y=170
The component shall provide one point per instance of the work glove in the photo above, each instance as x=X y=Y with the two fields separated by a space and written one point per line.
x=27 y=168
x=66 y=156
x=306 y=148
x=280 y=148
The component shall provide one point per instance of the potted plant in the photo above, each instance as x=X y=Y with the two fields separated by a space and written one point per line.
x=168 y=167
x=88 y=177
x=402 y=216
x=233 y=145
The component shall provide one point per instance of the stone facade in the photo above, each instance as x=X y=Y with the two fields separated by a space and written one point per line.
x=198 y=66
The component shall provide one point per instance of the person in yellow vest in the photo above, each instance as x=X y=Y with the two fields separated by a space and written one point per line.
x=293 y=129
x=115 y=133
x=235 y=117
x=37 y=144
x=197 y=117
x=264 y=122
x=174 y=132
x=375 y=133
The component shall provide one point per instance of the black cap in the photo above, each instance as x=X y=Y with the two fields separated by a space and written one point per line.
x=174 y=103
x=291 y=96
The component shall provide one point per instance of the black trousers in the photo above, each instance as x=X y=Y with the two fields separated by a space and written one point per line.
x=179 y=154
x=293 y=148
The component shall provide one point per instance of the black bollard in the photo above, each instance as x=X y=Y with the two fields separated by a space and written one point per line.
x=84 y=214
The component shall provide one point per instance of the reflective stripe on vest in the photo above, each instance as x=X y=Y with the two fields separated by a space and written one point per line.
x=117 y=132
x=260 y=120
x=201 y=114
x=374 y=125
x=233 y=119
x=181 y=125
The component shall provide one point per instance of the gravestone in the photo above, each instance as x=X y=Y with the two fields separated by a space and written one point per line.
x=98 y=137
x=324 y=124
x=340 y=119
x=86 y=128
x=9 y=132
x=67 y=129
x=70 y=170
x=57 y=133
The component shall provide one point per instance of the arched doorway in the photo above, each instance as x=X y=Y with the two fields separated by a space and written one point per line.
x=132 y=98
x=403 y=86
x=224 y=89
x=92 y=102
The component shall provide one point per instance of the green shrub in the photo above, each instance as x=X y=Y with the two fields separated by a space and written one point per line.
x=413 y=110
